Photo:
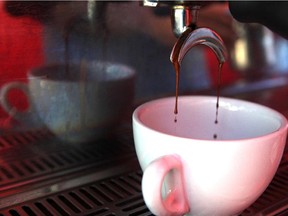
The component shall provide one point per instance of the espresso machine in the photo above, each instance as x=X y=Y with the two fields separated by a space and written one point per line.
x=43 y=175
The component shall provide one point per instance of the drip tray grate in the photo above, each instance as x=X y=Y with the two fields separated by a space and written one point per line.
x=42 y=176
x=32 y=157
x=121 y=195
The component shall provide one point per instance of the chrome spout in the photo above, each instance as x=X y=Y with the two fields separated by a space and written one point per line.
x=96 y=13
x=183 y=17
x=201 y=36
x=184 y=14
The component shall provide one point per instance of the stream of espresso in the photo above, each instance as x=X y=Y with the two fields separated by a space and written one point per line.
x=177 y=71
x=219 y=75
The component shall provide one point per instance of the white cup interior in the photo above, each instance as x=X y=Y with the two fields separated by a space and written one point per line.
x=196 y=118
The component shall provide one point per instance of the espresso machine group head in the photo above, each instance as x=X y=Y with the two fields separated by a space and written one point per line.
x=183 y=13
x=184 y=16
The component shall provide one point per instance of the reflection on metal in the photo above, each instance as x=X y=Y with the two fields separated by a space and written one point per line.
x=102 y=178
x=183 y=17
x=258 y=52
x=240 y=55
x=150 y=3
x=184 y=14
x=201 y=36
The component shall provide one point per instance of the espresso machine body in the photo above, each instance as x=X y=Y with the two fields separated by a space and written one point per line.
x=40 y=174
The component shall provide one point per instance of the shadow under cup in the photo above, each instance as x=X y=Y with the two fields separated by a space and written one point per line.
x=82 y=102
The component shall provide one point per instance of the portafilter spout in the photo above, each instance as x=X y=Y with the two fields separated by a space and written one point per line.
x=200 y=36
x=96 y=13
x=183 y=13
x=189 y=39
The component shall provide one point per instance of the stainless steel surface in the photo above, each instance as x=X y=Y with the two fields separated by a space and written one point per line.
x=121 y=195
x=38 y=156
x=258 y=52
x=42 y=176
x=251 y=87
x=182 y=17
x=184 y=14
x=201 y=36
x=96 y=13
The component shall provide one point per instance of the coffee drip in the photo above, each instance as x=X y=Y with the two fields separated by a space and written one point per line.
x=192 y=37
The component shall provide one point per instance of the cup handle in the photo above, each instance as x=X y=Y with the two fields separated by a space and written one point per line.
x=175 y=202
x=12 y=110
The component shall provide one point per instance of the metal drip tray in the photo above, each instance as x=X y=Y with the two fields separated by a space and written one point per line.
x=39 y=175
